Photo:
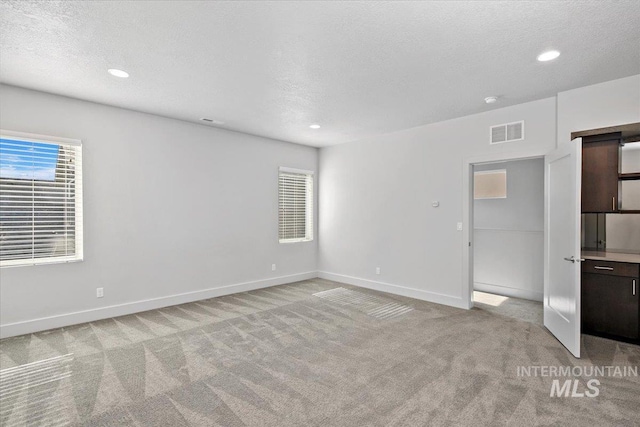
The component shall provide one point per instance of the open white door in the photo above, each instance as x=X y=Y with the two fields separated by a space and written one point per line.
x=563 y=168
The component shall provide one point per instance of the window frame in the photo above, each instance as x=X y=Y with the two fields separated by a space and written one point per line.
x=502 y=171
x=309 y=206
x=78 y=204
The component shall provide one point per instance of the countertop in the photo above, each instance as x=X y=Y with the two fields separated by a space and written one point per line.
x=612 y=256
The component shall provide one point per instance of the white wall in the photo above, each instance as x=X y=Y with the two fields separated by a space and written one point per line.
x=630 y=190
x=623 y=231
x=376 y=200
x=508 y=233
x=173 y=212
x=611 y=103
x=606 y=104
x=375 y=208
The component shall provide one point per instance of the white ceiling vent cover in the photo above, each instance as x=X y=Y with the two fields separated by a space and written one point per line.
x=508 y=132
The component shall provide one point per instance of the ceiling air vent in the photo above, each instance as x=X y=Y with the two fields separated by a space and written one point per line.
x=508 y=132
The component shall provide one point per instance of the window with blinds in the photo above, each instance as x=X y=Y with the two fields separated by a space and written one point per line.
x=490 y=184
x=40 y=200
x=295 y=205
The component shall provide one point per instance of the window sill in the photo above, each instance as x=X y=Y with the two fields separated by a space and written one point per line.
x=295 y=240
x=46 y=261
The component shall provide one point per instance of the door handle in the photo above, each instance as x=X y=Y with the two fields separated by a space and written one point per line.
x=573 y=259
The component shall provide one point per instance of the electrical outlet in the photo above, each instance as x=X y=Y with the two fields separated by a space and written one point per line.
x=377 y=270
x=99 y=292
x=273 y=267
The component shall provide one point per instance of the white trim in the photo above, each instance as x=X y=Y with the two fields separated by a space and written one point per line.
x=508 y=292
x=293 y=170
x=506 y=230
x=31 y=262
x=78 y=204
x=467 y=208
x=300 y=240
x=34 y=137
x=507 y=156
x=309 y=204
x=79 y=207
x=490 y=171
x=61 y=320
x=491 y=198
x=396 y=289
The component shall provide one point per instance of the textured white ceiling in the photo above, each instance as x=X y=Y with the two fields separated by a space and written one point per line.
x=356 y=68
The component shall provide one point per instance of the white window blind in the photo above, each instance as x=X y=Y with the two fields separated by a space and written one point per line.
x=40 y=200
x=295 y=205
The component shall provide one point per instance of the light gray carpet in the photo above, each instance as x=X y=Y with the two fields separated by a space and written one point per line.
x=517 y=308
x=283 y=357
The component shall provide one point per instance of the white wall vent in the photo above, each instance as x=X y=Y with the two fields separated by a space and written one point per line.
x=508 y=132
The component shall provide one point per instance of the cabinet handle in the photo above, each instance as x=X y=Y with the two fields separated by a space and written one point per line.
x=597 y=267
x=634 y=287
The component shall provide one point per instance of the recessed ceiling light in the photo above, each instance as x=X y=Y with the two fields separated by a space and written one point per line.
x=118 y=73
x=315 y=126
x=490 y=99
x=548 y=55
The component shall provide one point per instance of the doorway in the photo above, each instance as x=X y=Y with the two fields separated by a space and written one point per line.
x=507 y=230
x=562 y=183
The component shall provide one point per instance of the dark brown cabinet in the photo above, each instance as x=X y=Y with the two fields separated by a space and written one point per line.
x=610 y=299
x=600 y=165
x=610 y=282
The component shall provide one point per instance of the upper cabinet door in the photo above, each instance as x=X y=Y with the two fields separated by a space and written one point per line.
x=600 y=163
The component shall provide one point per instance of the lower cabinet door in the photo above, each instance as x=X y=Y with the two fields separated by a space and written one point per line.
x=609 y=305
x=593 y=297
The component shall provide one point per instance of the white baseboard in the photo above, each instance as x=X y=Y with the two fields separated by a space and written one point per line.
x=396 y=289
x=58 y=321
x=508 y=292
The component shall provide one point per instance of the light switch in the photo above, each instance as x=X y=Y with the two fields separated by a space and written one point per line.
x=459 y=226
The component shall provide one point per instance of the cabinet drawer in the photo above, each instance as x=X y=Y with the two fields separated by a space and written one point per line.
x=611 y=268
